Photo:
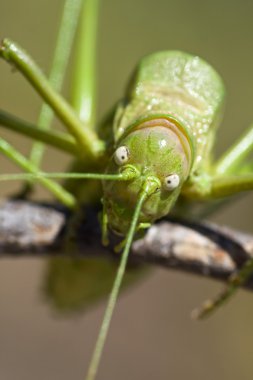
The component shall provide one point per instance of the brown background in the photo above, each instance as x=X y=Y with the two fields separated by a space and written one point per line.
x=152 y=336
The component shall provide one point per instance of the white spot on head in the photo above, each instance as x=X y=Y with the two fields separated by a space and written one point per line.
x=162 y=143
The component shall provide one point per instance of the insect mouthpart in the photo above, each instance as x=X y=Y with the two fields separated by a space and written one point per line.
x=151 y=185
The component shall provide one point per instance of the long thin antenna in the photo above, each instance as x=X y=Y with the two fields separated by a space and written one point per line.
x=125 y=175
x=94 y=363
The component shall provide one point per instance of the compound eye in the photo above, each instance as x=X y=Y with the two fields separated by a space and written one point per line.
x=121 y=155
x=171 y=181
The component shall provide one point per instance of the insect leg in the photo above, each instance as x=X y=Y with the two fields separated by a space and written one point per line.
x=86 y=139
x=235 y=281
x=59 y=140
x=83 y=91
x=60 y=193
x=64 y=42
x=218 y=187
x=229 y=175
x=230 y=160
x=141 y=226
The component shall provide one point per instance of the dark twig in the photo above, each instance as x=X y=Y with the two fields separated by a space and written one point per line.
x=206 y=249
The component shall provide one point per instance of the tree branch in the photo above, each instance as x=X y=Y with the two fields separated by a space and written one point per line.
x=39 y=230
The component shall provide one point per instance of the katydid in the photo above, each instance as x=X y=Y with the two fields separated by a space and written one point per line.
x=156 y=147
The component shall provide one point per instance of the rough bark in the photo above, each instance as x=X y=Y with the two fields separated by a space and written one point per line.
x=206 y=249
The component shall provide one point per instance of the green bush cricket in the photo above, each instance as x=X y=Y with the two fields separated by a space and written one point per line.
x=156 y=147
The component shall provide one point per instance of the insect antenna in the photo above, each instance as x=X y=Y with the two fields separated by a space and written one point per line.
x=148 y=188
x=114 y=293
x=125 y=175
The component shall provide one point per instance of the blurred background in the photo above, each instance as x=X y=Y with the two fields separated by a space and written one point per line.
x=152 y=335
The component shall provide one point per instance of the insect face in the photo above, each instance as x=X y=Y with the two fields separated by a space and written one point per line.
x=154 y=152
